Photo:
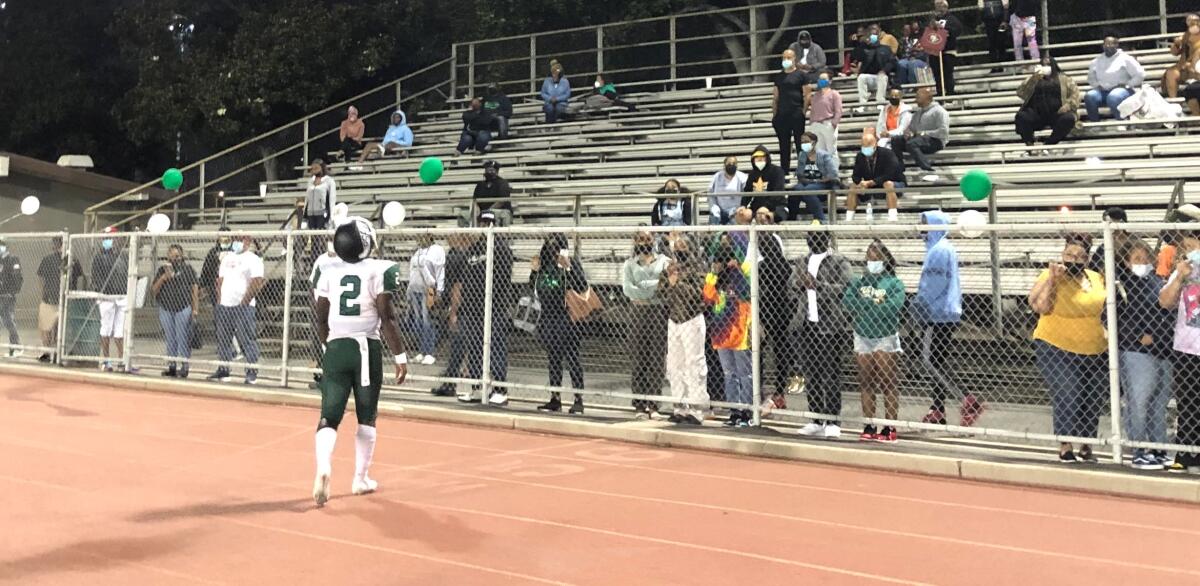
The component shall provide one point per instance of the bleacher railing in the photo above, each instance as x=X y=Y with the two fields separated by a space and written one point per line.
x=917 y=342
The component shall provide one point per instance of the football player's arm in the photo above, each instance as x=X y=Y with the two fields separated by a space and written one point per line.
x=322 y=311
x=391 y=333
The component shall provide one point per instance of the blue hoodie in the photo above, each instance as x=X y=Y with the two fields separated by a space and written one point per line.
x=939 y=294
x=560 y=89
x=399 y=134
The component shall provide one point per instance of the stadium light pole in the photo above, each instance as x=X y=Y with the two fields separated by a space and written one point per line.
x=181 y=30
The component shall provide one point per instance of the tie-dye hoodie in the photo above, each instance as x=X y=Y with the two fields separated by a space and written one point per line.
x=727 y=295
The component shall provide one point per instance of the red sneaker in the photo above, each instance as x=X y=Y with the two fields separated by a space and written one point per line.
x=887 y=436
x=971 y=409
x=935 y=416
x=868 y=435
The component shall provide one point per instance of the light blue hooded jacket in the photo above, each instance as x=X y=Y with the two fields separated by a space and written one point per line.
x=399 y=134
x=939 y=294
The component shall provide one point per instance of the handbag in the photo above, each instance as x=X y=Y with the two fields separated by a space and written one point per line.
x=933 y=40
x=527 y=314
x=581 y=305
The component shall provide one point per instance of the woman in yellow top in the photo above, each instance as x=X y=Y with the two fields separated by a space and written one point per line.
x=1069 y=344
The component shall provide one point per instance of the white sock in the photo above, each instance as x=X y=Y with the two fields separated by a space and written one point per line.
x=893 y=215
x=326 y=439
x=849 y=215
x=364 y=448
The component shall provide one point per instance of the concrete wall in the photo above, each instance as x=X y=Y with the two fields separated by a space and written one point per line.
x=62 y=204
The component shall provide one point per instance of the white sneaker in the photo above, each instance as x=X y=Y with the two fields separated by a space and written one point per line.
x=766 y=408
x=364 y=485
x=418 y=357
x=498 y=399
x=812 y=429
x=428 y=360
x=321 y=489
x=468 y=397
x=832 y=431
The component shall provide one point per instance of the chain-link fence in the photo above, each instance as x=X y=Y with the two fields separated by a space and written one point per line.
x=1080 y=336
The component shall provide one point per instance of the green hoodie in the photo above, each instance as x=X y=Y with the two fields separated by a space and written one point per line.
x=874 y=303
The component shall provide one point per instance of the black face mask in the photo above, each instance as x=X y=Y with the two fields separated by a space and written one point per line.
x=730 y=169
x=894 y=101
x=1109 y=52
x=672 y=190
x=1074 y=268
x=643 y=249
x=490 y=174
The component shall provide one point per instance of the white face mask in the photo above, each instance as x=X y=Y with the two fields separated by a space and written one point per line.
x=1142 y=270
x=597 y=84
x=760 y=165
x=237 y=247
x=874 y=267
x=1044 y=70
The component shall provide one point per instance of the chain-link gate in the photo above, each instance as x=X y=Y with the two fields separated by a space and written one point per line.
x=31 y=274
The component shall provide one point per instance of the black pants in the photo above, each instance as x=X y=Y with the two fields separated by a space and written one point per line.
x=824 y=354
x=997 y=40
x=936 y=65
x=715 y=383
x=787 y=129
x=560 y=337
x=472 y=335
x=936 y=340
x=1187 y=402
x=647 y=347
x=1029 y=122
x=457 y=351
x=775 y=326
x=919 y=147
x=349 y=146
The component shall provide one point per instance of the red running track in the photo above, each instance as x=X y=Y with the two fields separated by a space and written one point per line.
x=109 y=486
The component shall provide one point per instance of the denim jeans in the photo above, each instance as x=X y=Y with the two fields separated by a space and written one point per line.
x=7 y=311
x=477 y=139
x=177 y=329
x=813 y=204
x=554 y=111
x=906 y=72
x=1078 y=387
x=471 y=334
x=1097 y=97
x=422 y=322
x=1146 y=386
x=738 y=382
x=237 y=321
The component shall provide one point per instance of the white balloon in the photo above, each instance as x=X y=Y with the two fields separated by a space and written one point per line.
x=393 y=214
x=341 y=210
x=158 y=223
x=969 y=221
x=30 y=205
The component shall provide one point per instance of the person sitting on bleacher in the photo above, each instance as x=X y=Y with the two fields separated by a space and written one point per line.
x=928 y=132
x=825 y=114
x=816 y=170
x=1114 y=76
x=874 y=168
x=912 y=56
x=1191 y=94
x=726 y=181
x=765 y=176
x=1051 y=101
x=556 y=92
x=671 y=209
x=477 y=129
x=878 y=64
x=350 y=133
x=604 y=95
x=497 y=103
x=1187 y=48
x=398 y=137
x=493 y=186
x=893 y=119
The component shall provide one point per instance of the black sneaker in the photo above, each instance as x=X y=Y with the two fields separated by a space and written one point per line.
x=576 y=407
x=446 y=390
x=735 y=419
x=691 y=420
x=1086 y=454
x=221 y=375
x=675 y=418
x=553 y=405
x=170 y=372
x=44 y=358
x=1067 y=457
x=182 y=373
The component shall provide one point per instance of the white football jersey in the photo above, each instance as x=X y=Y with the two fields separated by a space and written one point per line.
x=351 y=289
x=318 y=267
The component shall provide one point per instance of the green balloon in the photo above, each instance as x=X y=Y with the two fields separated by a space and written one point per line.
x=431 y=170
x=172 y=179
x=976 y=185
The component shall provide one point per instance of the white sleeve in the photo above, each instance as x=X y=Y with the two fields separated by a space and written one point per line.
x=256 y=269
x=322 y=287
x=332 y=194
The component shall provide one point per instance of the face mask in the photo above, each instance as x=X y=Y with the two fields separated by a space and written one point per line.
x=1074 y=268
x=730 y=169
x=1194 y=257
x=868 y=151
x=644 y=249
x=237 y=247
x=224 y=245
x=1045 y=70
x=1110 y=51
x=874 y=267
x=760 y=165
x=787 y=63
x=805 y=44
x=894 y=101
x=489 y=174
x=874 y=39
x=1142 y=270
x=597 y=84
x=822 y=83
x=106 y=244
x=806 y=147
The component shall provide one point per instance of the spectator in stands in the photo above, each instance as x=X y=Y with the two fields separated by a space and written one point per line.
x=787 y=107
x=824 y=334
x=320 y=197
x=553 y=272
x=1069 y=344
x=912 y=55
x=810 y=60
x=1051 y=100
x=110 y=271
x=887 y=39
x=875 y=168
x=893 y=119
x=1182 y=291
x=680 y=288
x=874 y=302
x=1114 y=76
x=604 y=95
x=177 y=293
x=725 y=192
x=817 y=170
x=878 y=64
x=1023 y=22
x=951 y=28
x=468 y=310
x=855 y=50
x=238 y=282
x=1191 y=95
x=496 y=103
x=993 y=15
x=50 y=272
x=936 y=311
x=556 y=92
x=777 y=306
x=1187 y=48
x=727 y=296
x=928 y=132
x=456 y=266
x=426 y=283
x=11 y=279
x=212 y=263
x=640 y=276
x=765 y=177
x=477 y=129
x=1144 y=337
x=825 y=114
x=674 y=208
x=1120 y=237
x=398 y=138
x=493 y=186
x=351 y=133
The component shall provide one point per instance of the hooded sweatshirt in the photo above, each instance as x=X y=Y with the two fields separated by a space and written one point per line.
x=939 y=294
x=399 y=134
x=771 y=178
x=727 y=295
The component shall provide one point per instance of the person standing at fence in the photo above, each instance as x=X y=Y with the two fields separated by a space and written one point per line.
x=212 y=265
x=426 y=283
x=456 y=266
x=825 y=114
x=951 y=28
x=50 y=272
x=238 y=283
x=11 y=279
x=681 y=288
x=110 y=271
x=874 y=302
x=1144 y=337
x=787 y=106
x=937 y=312
x=640 y=277
x=177 y=293
x=469 y=312
x=553 y=272
x=351 y=133
x=1182 y=294
x=556 y=92
x=824 y=332
x=1113 y=77
x=1121 y=239
x=725 y=192
x=320 y=197
x=727 y=295
x=776 y=308
x=1070 y=344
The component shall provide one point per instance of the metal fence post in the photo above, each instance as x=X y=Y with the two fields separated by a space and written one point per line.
x=1162 y=17
x=453 y=71
x=600 y=49
x=533 y=64
x=753 y=14
x=673 y=53
x=306 y=139
x=130 y=300
x=288 y=277
x=1114 y=379
x=755 y=328
x=470 y=70
x=841 y=32
x=997 y=293
x=1045 y=24
x=488 y=290
x=399 y=97
x=203 y=184
x=63 y=283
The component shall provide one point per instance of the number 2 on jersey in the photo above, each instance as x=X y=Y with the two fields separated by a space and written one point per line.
x=351 y=287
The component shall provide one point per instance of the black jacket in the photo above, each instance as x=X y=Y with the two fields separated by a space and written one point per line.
x=476 y=120
x=109 y=272
x=10 y=275
x=1139 y=314
x=498 y=105
x=884 y=166
x=878 y=59
x=771 y=178
x=491 y=189
x=209 y=270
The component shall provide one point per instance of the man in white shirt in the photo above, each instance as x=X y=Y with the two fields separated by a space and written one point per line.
x=239 y=280
x=426 y=282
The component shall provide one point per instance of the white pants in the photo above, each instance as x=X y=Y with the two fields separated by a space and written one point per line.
x=877 y=82
x=112 y=318
x=827 y=136
x=687 y=371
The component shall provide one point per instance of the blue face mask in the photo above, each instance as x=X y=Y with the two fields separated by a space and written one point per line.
x=868 y=151
x=806 y=147
x=237 y=247
x=1194 y=257
x=874 y=39
x=874 y=267
x=787 y=63
x=822 y=83
x=106 y=244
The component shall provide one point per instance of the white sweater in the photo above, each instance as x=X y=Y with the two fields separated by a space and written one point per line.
x=1119 y=70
